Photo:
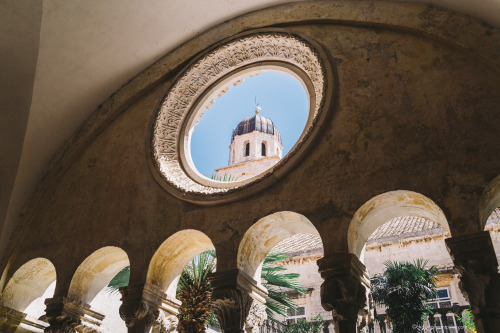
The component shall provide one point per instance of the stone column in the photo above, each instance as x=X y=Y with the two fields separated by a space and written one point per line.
x=475 y=261
x=234 y=294
x=146 y=309
x=344 y=289
x=66 y=315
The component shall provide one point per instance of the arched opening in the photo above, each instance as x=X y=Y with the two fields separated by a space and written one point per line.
x=385 y=207
x=95 y=272
x=401 y=227
x=90 y=281
x=266 y=234
x=172 y=256
x=247 y=149
x=263 y=148
x=296 y=244
x=29 y=286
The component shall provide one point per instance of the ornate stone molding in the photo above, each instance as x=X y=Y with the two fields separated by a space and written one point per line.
x=345 y=286
x=66 y=315
x=165 y=323
x=143 y=302
x=234 y=294
x=256 y=317
x=10 y=319
x=476 y=263
x=134 y=309
x=204 y=73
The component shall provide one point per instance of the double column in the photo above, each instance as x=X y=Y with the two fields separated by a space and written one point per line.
x=146 y=309
x=475 y=261
x=344 y=290
x=70 y=316
x=238 y=301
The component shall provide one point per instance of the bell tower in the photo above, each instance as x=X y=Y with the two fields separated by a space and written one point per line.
x=255 y=147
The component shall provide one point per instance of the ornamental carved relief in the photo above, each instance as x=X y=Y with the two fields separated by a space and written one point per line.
x=204 y=73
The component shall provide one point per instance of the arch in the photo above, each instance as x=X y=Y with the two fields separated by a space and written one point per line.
x=263 y=148
x=490 y=200
x=173 y=255
x=95 y=272
x=28 y=283
x=247 y=149
x=266 y=233
x=385 y=207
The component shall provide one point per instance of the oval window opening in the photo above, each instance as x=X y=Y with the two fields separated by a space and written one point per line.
x=246 y=125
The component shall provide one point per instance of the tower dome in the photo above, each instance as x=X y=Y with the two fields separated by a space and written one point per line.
x=256 y=123
x=255 y=147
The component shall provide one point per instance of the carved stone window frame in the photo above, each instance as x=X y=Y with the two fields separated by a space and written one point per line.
x=205 y=77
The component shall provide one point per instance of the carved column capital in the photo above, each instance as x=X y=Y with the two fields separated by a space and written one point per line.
x=256 y=317
x=147 y=304
x=345 y=286
x=232 y=297
x=134 y=309
x=164 y=307
x=10 y=319
x=475 y=261
x=66 y=315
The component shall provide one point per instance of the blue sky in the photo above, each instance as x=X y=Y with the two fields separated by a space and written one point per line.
x=282 y=99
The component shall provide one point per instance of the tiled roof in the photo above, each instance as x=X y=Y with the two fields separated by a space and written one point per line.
x=299 y=243
x=406 y=225
x=400 y=227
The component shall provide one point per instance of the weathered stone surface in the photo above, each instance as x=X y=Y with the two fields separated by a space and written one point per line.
x=414 y=106
x=476 y=263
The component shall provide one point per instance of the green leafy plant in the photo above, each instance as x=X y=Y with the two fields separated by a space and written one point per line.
x=313 y=325
x=194 y=290
x=195 y=293
x=403 y=288
x=276 y=281
x=119 y=280
x=222 y=178
x=467 y=320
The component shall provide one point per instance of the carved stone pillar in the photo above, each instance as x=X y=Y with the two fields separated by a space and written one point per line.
x=66 y=315
x=11 y=319
x=145 y=308
x=476 y=263
x=233 y=295
x=344 y=289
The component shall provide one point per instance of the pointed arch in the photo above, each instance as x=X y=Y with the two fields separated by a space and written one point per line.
x=265 y=234
x=28 y=283
x=173 y=255
x=96 y=271
x=385 y=207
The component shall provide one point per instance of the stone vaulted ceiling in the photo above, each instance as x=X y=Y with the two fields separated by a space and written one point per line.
x=60 y=60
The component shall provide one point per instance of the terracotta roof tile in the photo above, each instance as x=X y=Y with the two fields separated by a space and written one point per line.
x=299 y=243
x=400 y=227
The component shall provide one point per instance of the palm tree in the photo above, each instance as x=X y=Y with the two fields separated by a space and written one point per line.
x=195 y=292
x=403 y=288
x=277 y=282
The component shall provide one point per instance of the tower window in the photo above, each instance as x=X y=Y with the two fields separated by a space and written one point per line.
x=247 y=149
x=263 y=149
